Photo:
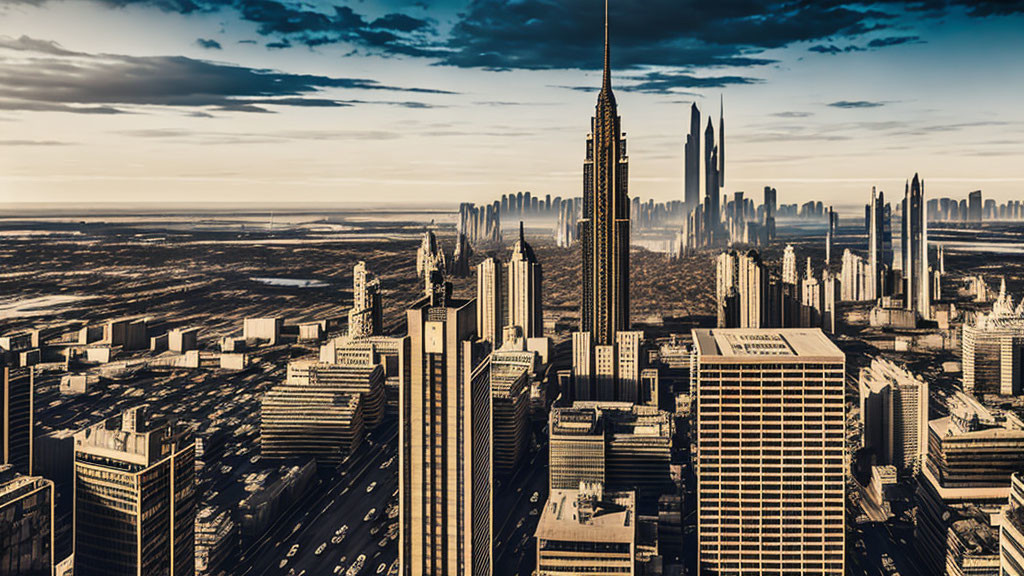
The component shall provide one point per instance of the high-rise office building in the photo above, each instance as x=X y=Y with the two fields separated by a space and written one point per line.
x=751 y=286
x=445 y=447
x=619 y=444
x=875 y=232
x=854 y=280
x=586 y=530
x=974 y=206
x=135 y=497
x=604 y=227
x=17 y=418
x=510 y=398
x=607 y=373
x=963 y=486
x=1011 y=530
x=363 y=378
x=894 y=414
x=26 y=524
x=490 y=315
x=691 y=153
x=789 y=271
x=770 y=452
x=525 y=289
x=712 y=198
x=366 y=318
x=916 y=278
x=832 y=223
x=312 y=416
x=993 y=349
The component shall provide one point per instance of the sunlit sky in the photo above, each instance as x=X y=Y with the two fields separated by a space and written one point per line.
x=272 y=101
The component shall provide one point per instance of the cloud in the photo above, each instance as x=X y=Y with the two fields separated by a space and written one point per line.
x=893 y=41
x=33 y=143
x=853 y=104
x=664 y=83
x=55 y=79
x=541 y=34
x=208 y=43
x=791 y=114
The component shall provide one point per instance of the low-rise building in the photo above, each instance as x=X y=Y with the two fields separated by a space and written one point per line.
x=587 y=531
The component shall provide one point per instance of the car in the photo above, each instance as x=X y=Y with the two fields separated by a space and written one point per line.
x=383 y=542
x=383 y=566
x=342 y=531
x=284 y=562
x=534 y=497
x=370 y=514
x=374 y=530
x=336 y=539
x=320 y=549
x=371 y=487
x=338 y=569
x=293 y=550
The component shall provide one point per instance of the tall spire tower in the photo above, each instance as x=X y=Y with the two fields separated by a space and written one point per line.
x=604 y=226
x=721 y=142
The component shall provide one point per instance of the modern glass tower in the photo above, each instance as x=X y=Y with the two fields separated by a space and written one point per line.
x=604 y=227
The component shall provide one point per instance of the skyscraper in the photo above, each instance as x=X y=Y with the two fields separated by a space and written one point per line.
x=26 y=524
x=917 y=284
x=366 y=318
x=691 y=195
x=17 y=418
x=712 y=199
x=789 y=273
x=510 y=396
x=525 y=289
x=894 y=410
x=135 y=497
x=770 y=452
x=604 y=227
x=490 y=317
x=445 y=446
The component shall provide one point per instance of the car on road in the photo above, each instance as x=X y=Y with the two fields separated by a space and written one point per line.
x=387 y=463
x=284 y=562
x=293 y=550
x=320 y=549
x=383 y=542
x=356 y=566
x=338 y=569
x=371 y=486
x=370 y=515
x=383 y=566
x=342 y=531
x=534 y=497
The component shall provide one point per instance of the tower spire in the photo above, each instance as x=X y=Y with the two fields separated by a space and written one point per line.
x=607 y=82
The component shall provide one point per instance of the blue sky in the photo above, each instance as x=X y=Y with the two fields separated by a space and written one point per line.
x=398 y=102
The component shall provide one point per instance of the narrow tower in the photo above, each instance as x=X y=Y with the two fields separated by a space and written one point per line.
x=604 y=227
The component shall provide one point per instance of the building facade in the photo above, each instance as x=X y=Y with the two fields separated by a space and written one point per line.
x=26 y=524
x=770 y=452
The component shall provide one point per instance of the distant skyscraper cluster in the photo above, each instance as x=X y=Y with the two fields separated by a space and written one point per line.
x=750 y=294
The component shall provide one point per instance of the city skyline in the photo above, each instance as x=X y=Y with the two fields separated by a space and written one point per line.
x=449 y=101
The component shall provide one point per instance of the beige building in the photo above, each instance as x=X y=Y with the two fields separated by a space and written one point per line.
x=445 y=447
x=525 y=307
x=490 y=317
x=894 y=414
x=586 y=530
x=770 y=452
x=135 y=498
x=1011 y=530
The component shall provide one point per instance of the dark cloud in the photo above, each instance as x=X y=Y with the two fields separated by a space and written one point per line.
x=208 y=43
x=893 y=41
x=663 y=82
x=559 y=34
x=833 y=49
x=104 y=83
x=853 y=104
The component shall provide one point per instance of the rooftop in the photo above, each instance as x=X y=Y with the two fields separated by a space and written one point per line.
x=588 y=516
x=751 y=343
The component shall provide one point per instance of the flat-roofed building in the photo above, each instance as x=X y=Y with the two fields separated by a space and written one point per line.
x=182 y=340
x=965 y=483
x=444 y=468
x=391 y=352
x=894 y=411
x=770 y=452
x=17 y=418
x=510 y=396
x=576 y=448
x=1011 y=530
x=262 y=329
x=587 y=531
x=365 y=379
x=26 y=524
x=135 y=498
x=313 y=420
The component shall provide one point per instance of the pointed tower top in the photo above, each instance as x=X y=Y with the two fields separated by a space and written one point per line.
x=521 y=235
x=607 y=82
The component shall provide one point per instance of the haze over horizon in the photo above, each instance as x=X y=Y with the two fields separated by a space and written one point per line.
x=394 y=103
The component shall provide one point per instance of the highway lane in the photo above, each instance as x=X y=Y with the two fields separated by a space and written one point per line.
x=344 y=502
